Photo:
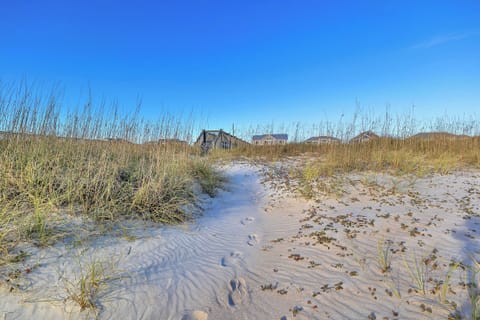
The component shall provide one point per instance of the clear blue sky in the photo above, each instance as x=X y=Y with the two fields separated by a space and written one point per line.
x=260 y=61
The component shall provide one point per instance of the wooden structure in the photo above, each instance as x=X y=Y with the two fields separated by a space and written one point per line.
x=270 y=139
x=217 y=139
x=322 y=140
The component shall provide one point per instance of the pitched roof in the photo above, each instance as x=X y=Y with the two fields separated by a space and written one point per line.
x=277 y=136
x=216 y=133
x=366 y=135
x=322 y=138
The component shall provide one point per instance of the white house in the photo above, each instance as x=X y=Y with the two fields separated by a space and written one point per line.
x=270 y=139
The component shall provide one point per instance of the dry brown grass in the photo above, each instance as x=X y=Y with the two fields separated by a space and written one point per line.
x=53 y=163
x=413 y=155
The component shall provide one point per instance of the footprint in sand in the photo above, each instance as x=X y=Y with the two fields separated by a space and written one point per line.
x=237 y=290
x=252 y=239
x=247 y=220
x=195 y=315
x=231 y=259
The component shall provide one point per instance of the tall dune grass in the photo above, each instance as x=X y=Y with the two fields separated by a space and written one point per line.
x=92 y=162
x=397 y=149
x=446 y=145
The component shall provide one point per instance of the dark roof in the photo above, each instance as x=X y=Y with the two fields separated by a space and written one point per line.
x=366 y=135
x=278 y=136
x=215 y=133
x=322 y=138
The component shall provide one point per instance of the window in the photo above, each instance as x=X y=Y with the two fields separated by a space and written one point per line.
x=226 y=144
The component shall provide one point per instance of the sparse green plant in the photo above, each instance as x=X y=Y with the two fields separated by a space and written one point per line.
x=92 y=280
x=474 y=290
x=88 y=286
x=446 y=283
x=395 y=185
x=418 y=272
x=394 y=288
x=384 y=255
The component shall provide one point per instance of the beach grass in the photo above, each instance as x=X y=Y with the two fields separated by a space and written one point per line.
x=93 y=279
x=404 y=155
x=397 y=155
x=92 y=163
x=384 y=256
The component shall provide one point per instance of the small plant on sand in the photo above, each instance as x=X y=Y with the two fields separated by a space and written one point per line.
x=418 y=272
x=445 y=285
x=384 y=255
x=88 y=285
x=308 y=177
x=393 y=287
x=395 y=186
x=474 y=290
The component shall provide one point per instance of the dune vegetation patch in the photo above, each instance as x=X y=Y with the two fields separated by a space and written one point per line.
x=94 y=164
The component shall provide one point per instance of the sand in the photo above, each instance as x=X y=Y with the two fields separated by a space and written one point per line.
x=261 y=252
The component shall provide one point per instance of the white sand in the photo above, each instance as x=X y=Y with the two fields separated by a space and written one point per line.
x=251 y=236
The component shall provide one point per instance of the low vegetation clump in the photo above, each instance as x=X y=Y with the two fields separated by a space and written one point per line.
x=89 y=285
x=93 y=280
x=207 y=176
